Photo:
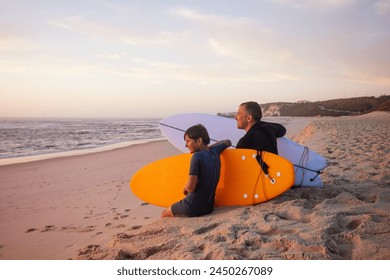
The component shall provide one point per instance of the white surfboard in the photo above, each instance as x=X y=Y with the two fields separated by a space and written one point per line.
x=307 y=163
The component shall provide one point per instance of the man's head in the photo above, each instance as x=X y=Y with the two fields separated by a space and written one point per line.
x=248 y=114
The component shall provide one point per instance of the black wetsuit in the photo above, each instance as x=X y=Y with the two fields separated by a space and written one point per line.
x=262 y=136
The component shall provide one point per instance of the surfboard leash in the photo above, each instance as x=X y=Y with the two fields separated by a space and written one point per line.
x=302 y=162
x=312 y=170
x=264 y=168
x=179 y=129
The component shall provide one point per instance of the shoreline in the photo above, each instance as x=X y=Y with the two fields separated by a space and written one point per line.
x=80 y=152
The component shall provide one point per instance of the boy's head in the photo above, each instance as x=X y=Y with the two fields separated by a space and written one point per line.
x=195 y=136
x=198 y=131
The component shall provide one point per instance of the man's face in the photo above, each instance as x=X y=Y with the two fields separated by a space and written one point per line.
x=241 y=118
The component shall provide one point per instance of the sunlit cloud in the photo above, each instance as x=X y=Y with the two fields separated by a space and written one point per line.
x=85 y=26
x=17 y=46
x=244 y=40
x=263 y=51
x=322 y=4
x=382 y=7
x=167 y=38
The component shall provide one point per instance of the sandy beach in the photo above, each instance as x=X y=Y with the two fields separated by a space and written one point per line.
x=81 y=207
x=51 y=208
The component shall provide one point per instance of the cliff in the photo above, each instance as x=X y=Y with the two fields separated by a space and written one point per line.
x=334 y=107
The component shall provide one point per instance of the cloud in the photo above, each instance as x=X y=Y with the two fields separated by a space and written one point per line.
x=228 y=36
x=160 y=38
x=84 y=26
x=318 y=4
x=196 y=54
x=263 y=54
x=16 y=46
x=139 y=34
x=199 y=53
x=382 y=7
x=188 y=45
x=244 y=41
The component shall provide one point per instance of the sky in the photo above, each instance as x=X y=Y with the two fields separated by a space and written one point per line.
x=124 y=58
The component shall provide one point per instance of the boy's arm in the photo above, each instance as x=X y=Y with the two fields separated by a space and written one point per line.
x=191 y=184
x=226 y=142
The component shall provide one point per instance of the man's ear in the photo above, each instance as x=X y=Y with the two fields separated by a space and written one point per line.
x=199 y=141
x=249 y=118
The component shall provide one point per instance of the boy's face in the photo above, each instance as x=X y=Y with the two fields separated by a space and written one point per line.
x=192 y=145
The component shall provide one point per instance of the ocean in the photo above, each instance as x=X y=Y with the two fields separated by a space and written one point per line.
x=29 y=137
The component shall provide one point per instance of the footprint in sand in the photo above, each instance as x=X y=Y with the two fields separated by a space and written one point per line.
x=88 y=229
x=48 y=228
x=88 y=250
x=204 y=229
x=120 y=226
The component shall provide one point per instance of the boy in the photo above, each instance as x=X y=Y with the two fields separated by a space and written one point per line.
x=205 y=167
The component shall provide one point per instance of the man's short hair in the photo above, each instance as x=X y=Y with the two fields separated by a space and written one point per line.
x=253 y=109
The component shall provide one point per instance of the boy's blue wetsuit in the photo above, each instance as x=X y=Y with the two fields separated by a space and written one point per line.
x=206 y=165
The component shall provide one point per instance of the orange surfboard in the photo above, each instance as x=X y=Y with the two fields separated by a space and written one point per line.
x=242 y=180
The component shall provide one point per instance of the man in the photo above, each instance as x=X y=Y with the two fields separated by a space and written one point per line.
x=259 y=135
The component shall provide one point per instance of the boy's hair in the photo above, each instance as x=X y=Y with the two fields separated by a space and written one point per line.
x=198 y=131
x=253 y=109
